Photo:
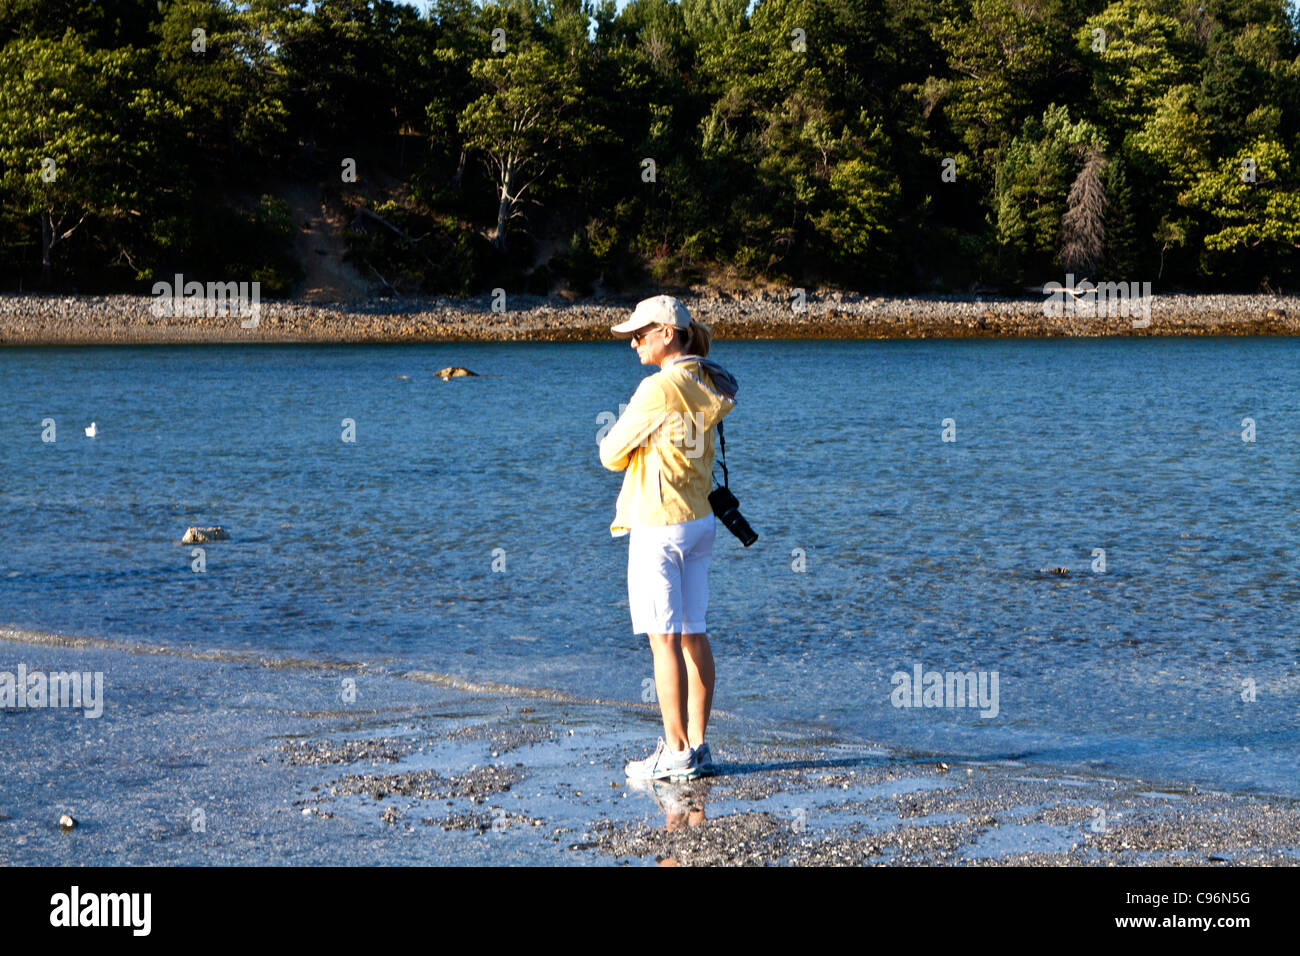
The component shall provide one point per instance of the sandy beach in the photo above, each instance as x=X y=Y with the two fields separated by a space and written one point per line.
x=213 y=758
x=127 y=320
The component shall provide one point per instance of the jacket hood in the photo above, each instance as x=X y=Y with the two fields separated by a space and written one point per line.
x=712 y=395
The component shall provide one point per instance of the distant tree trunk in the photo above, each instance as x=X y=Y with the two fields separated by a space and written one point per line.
x=503 y=211
x=53 y=233
x=47 y=243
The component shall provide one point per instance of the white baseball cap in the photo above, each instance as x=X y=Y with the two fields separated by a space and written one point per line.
x=658 y=310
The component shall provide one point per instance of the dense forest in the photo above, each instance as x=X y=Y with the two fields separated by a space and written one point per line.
x=560 y=145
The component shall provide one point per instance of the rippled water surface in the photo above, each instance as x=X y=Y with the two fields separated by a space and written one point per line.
x=915 y=550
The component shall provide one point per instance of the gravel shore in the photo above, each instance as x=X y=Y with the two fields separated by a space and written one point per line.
x=127 y=320
x=210 y=757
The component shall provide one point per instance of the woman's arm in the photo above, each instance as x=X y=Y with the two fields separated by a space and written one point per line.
x=644 y=413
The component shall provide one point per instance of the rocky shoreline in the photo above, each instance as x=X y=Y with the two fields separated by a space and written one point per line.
x=128 y=320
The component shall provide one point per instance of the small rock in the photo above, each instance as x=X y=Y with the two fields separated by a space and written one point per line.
x=454 y=371
x=197 y=535
x=67 y=823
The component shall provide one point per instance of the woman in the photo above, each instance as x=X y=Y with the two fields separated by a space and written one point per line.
x=663 y=444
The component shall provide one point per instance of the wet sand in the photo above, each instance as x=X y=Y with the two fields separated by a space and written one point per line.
x=127 y=320
x=215 y=757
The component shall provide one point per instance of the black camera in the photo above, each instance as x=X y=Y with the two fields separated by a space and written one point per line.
x=726 y=507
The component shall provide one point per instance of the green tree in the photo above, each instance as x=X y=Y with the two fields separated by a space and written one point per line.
x=1174 y=137
x=1123 y=250
x=445 y=63
x=526 y=119
x=217 y=59
x=713 y=22
x=1136 y=53
x=1003 y=58
x=1249 y=60
x=354 y=69
x=864 y=199
x=1253 y=199
x=76 y=136
x=101 y=24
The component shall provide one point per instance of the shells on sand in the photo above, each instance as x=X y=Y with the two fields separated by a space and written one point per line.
x=454 y=371
x=196 y=535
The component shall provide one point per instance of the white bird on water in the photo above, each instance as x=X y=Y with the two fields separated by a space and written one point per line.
x=91 y=430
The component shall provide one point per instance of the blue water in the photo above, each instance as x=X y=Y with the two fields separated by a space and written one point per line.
x=916 y=550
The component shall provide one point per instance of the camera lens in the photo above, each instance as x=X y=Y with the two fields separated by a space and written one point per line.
x=727 y=508
x=735 y=521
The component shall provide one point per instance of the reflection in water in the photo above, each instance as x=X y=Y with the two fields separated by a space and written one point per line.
x=682 y=803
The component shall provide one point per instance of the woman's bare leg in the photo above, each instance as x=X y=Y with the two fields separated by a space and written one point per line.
x=698 y=657
x=671 y=687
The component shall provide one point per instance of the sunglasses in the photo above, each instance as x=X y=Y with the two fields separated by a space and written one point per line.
x=639 y=337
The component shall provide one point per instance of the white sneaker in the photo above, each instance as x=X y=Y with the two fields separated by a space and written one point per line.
x=704 y=760
x=663 y=764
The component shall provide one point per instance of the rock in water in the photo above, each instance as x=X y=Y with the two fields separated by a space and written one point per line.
x=67 y=823
x=204 y=535
x=454 y=371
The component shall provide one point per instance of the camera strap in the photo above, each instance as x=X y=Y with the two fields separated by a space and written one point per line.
x=722 y=445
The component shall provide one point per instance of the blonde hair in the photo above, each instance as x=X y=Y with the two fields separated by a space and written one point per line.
x=694 y=340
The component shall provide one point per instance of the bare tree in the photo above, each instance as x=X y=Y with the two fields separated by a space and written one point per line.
x=1083 y=227
x=656 y=47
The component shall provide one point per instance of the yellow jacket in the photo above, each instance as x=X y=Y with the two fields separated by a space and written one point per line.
x=663 y=444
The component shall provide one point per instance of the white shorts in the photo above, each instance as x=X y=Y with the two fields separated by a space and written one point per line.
x=668 y=576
